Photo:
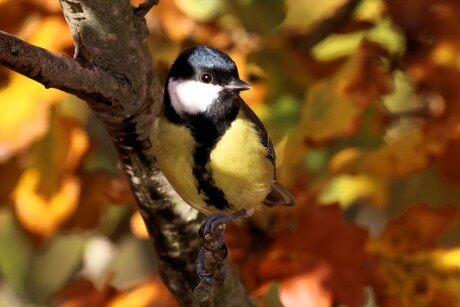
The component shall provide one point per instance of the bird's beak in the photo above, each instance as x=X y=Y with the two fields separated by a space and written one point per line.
x=238 y=85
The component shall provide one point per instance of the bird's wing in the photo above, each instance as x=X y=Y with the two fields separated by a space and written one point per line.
x=263 y=134
x=278 y=195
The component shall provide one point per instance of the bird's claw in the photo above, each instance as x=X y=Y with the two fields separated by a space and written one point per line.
x=215 y=276
x=210 y=267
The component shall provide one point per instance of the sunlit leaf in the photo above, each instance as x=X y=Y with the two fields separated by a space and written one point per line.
x=293 y=291
x=138 y=226
x=337 y=45
x=412 y=269
x=306 y=244
x=333 y=107
x=151 y=293
x=410 y=154
x=24 y=113
x=348 y=190
x=48 y=191
x=201 y=10
x=175 y=24
x=45 y=214
x=304 y=13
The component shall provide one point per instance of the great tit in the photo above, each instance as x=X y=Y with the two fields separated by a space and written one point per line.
x=209 y=144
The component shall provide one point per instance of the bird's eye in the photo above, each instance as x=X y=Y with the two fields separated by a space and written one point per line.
x=206 y=78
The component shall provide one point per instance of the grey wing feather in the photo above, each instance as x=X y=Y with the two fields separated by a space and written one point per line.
x=278 y=196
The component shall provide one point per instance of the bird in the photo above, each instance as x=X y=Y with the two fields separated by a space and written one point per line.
x=209 y=144
x=212 y=148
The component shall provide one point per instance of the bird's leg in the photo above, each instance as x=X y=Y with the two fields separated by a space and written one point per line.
x=210 y=263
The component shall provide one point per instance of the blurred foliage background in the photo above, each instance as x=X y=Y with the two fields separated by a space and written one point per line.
x=362 y=100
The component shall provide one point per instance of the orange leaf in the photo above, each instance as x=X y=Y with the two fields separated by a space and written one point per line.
x=24 y=113
x=150 y=293
x=333 y=107
x=315 y=236
x=417 y=230
x=81 y=293
x=48 y=192
x=410 y=154
x=413 y=270
x=138 y=226
x=44 y=214
x=293 y=291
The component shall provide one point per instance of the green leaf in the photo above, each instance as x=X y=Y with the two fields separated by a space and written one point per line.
x=15 y=253
x=51 y=270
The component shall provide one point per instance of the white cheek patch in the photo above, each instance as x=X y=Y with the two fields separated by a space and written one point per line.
x=192 y=96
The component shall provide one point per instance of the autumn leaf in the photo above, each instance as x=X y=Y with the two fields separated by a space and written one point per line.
x=303 y=14
x=48 y=191
x=408 y=155
x=44 y=215
x=83 y=293
x=307 y=244
x=24 y=113
x=312 y=255
x=138 y=227
x=95 y=196
x=150 y=293
x=333 y=107
x=413 y=270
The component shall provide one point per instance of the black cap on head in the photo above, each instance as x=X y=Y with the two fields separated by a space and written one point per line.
x=195 y=60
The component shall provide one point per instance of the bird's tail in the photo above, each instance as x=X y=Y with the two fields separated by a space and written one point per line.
x=278 y=196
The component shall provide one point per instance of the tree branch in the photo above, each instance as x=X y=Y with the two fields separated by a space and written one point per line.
x=145 y=7
x=113 y=72
x=58 y=71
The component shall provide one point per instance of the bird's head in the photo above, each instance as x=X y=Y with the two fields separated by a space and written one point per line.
x=200 y=77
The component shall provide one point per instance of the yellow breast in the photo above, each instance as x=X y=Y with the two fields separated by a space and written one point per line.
x=240 y=167
x=238 y=164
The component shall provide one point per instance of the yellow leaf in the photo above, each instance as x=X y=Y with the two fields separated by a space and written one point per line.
x=304 y=13
x=24 y=103
x=347 y=190
x=23 y=114
x=413 y=270
x=411 y=153
x=41 y=214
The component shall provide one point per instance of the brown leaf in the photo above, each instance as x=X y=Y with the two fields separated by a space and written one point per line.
x=314 y=243
x=371 y=79
x=333 y=107
x=417 y=230
x=412 y=269
x=95 y=196
x=11 y=172
x=82 y=292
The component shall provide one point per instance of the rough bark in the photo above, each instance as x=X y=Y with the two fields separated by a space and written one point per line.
x=112 y=70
